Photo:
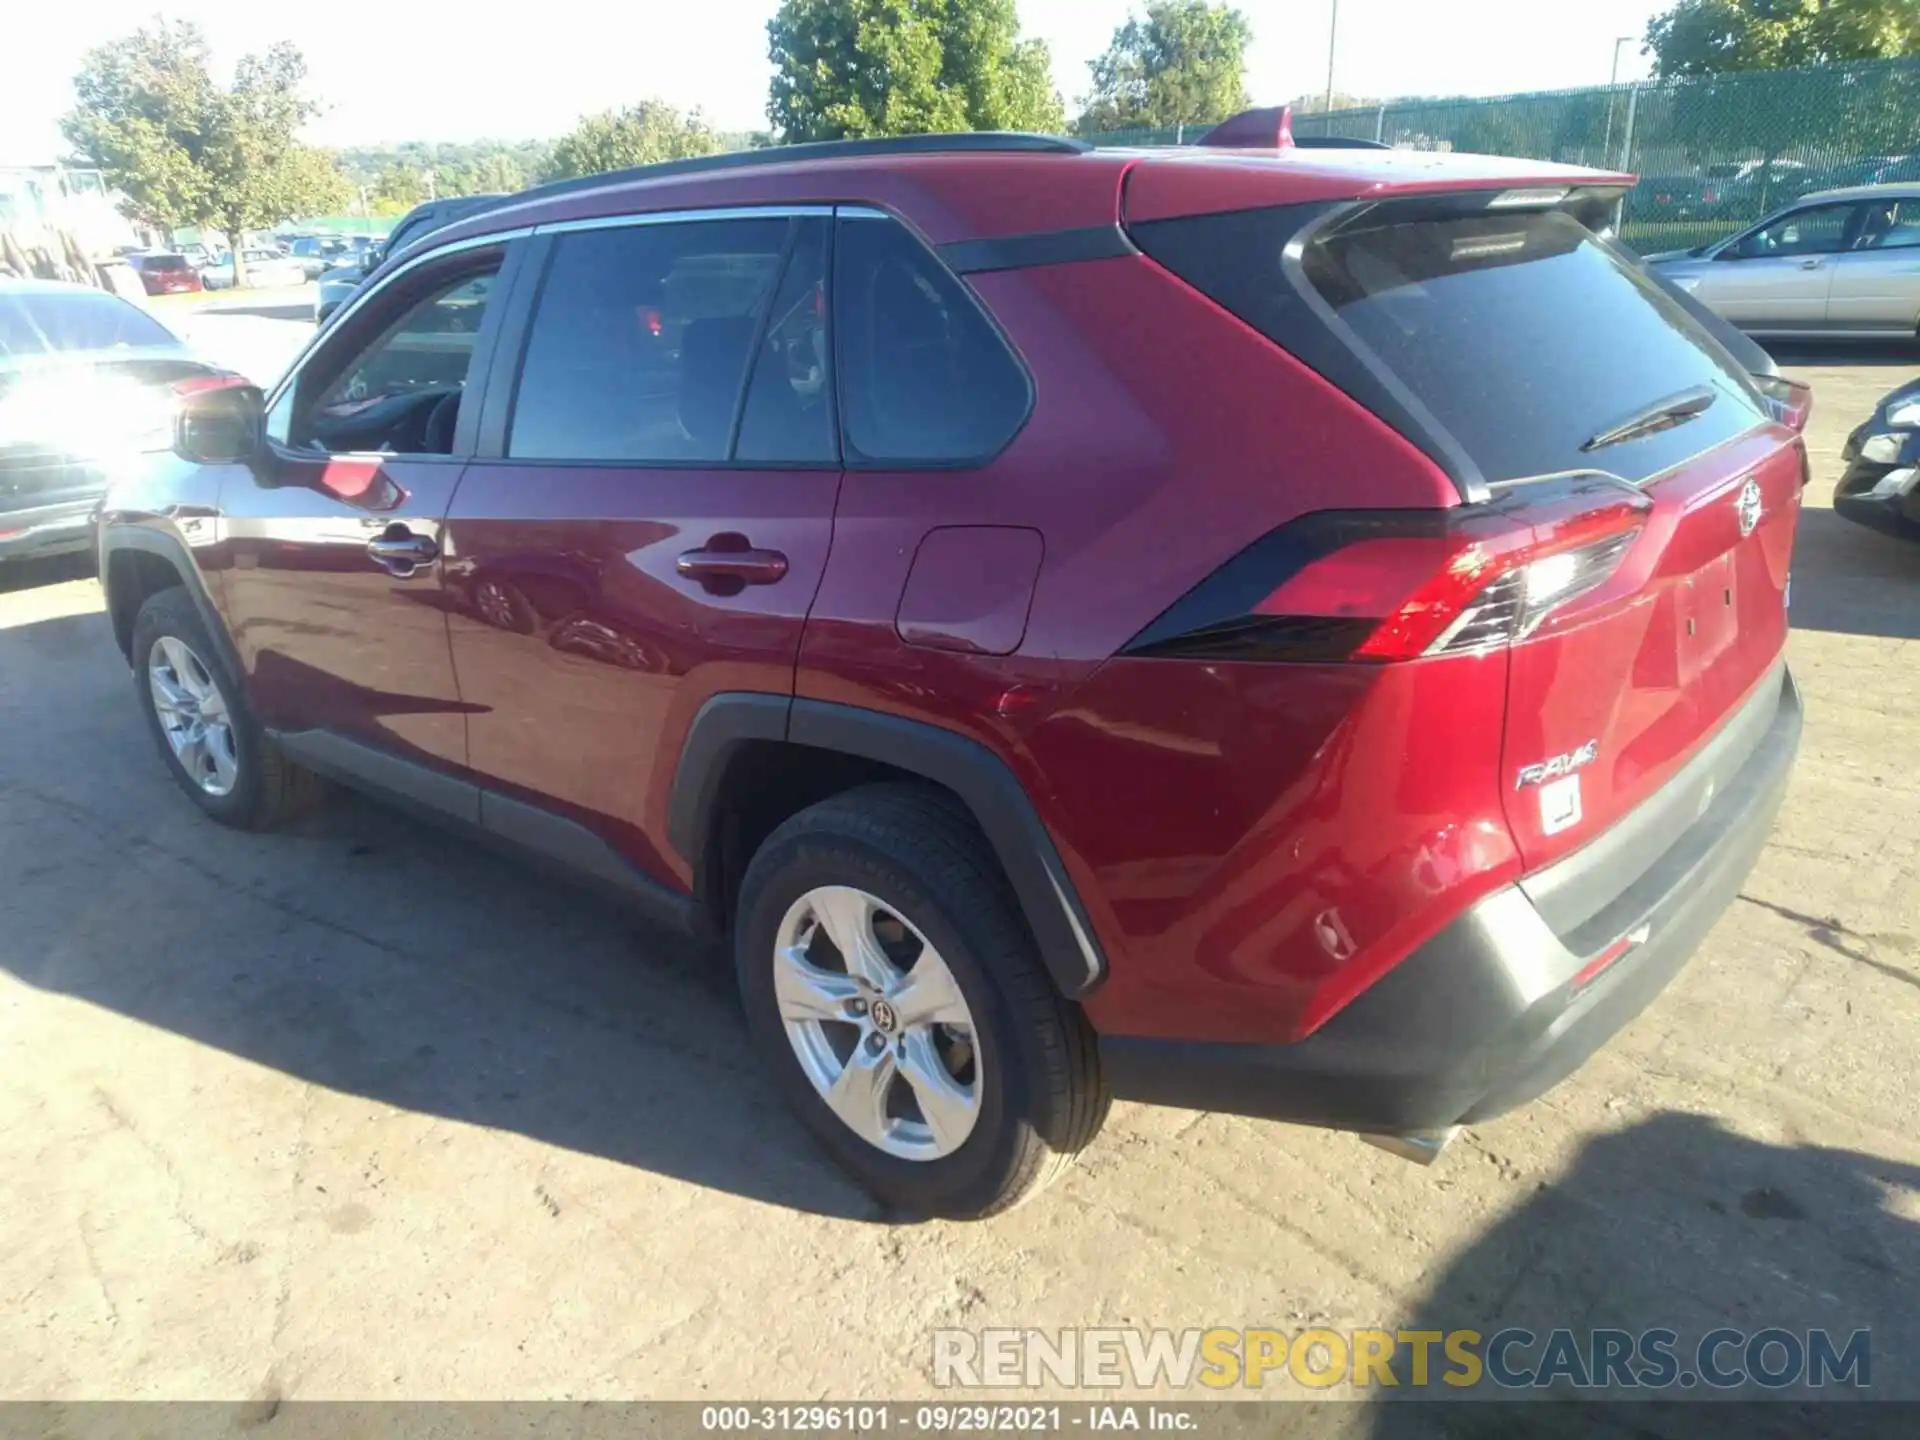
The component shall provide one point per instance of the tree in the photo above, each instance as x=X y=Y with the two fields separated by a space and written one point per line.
x=854 y=68
x=642 y=134
x=1709 y=37
x=186 y=149
x=1184 y=63
x=1316 y=103
x=1722 y=106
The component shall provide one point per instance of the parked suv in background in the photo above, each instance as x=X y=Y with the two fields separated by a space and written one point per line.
x=338 y=283
x=1290 y=632
x=166 y=272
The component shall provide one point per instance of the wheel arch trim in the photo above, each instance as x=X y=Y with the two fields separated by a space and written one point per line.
x=983 y=782
x=117 y=538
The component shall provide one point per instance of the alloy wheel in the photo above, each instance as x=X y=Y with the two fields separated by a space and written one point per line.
x=878 y=1023
x=194 y=715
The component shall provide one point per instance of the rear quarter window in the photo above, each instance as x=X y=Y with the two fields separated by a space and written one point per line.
x=925 y=377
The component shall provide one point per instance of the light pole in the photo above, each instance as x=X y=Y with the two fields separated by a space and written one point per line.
x=1333 y=39
x=1613 y=78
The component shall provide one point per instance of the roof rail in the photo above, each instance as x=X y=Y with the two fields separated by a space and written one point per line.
x=964 y=142
x=1272 y=129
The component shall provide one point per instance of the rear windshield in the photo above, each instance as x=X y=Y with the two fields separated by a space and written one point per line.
x=43 y=322
x=165 y=262
x=1506 y=344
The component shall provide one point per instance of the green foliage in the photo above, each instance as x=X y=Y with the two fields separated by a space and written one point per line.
x=1184 y=63
x=398 y=177
x=187 y=150
x=643 y=134
x=855 y=68
x=1708 y=37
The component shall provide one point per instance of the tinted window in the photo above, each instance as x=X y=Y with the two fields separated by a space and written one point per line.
x=789 y=411
x=164 y=262
x=924 y=376
x=37 y=322
x=1508 y=341
x=641 y=339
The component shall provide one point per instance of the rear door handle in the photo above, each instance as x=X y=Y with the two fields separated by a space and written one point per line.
x=721 y=567
x=402 y=551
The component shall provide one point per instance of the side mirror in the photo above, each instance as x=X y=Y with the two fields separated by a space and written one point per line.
x=218 y=420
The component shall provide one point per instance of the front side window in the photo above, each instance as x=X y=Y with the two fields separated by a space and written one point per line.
x=641 y=341
x=925 y=378
x=1821 y=230
x=401 y=393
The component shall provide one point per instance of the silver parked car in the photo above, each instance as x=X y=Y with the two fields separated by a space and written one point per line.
x=1834 y=264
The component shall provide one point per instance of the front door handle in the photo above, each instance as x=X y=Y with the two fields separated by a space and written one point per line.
x=1810 y=264
x=727 y=563
x=402 y=551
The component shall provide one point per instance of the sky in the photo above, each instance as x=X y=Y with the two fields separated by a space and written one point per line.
x=424 y=72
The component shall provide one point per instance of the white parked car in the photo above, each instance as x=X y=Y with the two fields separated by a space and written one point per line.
x=264 y=268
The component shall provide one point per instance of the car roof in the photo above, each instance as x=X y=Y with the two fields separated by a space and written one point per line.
x=981 y=185
x=1893 y=190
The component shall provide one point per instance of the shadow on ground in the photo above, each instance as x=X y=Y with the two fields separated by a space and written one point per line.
x=1799 y=1237
x=32 y=574
x=1880 y=354
x=266 y=310
x=1852 y=580
x=370 y=953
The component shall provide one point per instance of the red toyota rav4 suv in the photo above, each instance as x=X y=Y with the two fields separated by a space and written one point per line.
x=1295 y=632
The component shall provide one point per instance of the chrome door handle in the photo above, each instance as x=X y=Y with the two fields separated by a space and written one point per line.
x=731 y=564
x=402 y=552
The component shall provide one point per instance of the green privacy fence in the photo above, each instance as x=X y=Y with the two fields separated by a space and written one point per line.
x=1713 y=153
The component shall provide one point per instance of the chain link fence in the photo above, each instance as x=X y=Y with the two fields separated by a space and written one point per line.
x=1713 y=153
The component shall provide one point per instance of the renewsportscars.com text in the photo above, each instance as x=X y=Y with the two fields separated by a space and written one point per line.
x=1320 y=1359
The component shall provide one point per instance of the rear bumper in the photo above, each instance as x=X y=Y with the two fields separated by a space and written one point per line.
x=1492 y=1012
x=48 y=529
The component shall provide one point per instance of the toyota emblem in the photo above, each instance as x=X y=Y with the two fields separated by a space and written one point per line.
x=1748 y=507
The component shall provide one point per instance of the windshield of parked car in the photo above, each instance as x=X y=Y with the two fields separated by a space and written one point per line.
x=41 y=323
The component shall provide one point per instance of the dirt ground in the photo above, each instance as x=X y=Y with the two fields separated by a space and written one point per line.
x=367 y=1111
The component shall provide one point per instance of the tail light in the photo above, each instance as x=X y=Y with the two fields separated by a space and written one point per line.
x=1390 y=585
x=1788 y=401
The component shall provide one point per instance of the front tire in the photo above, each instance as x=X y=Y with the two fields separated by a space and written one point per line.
x=208 y=739
x=897 y=999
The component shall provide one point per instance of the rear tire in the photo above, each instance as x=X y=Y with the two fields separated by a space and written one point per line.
x=1021 y=1095
x=208 y=739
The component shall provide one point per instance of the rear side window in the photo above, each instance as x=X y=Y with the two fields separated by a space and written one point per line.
x=1505 y=344
x=925 y=378
x=641 y=341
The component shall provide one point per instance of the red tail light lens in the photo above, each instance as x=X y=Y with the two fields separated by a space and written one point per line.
x=1788 y=401
x=1397 y=585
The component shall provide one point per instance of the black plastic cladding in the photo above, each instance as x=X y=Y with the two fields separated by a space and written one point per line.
x=1217 y=620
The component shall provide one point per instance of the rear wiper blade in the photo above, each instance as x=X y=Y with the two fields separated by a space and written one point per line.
x=1661 y=415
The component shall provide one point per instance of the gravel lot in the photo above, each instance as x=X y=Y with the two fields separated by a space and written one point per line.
x=366 y=1111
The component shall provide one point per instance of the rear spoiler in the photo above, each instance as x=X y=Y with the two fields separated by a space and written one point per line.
x=1271 y=128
